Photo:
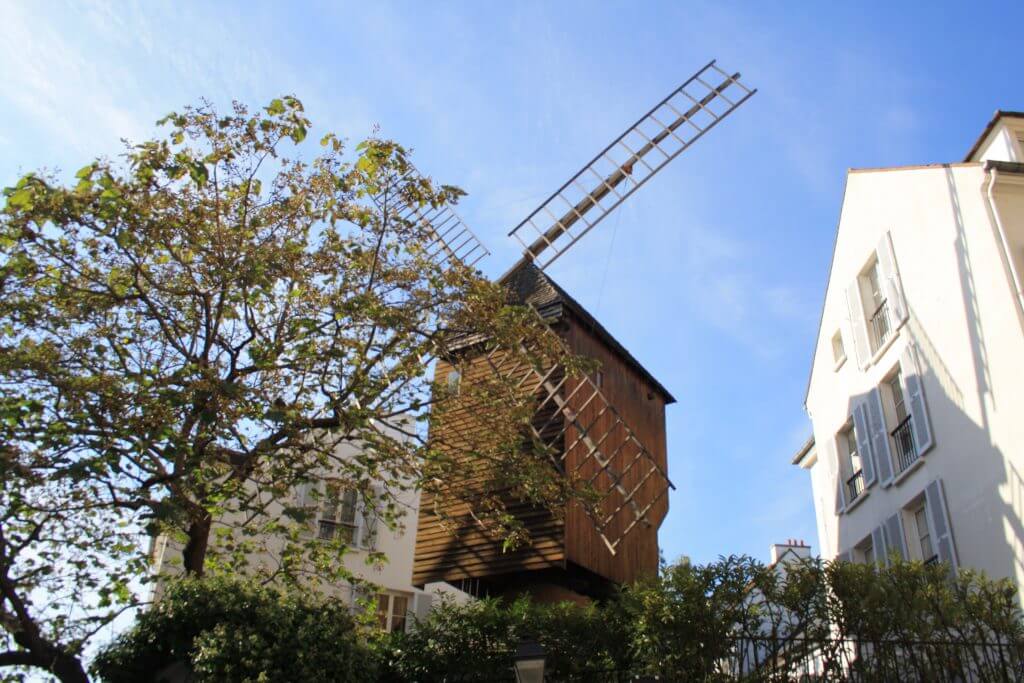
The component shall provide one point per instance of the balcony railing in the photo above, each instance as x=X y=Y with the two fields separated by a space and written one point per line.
x=903 y=439
x=880 y=327
x=855 y=484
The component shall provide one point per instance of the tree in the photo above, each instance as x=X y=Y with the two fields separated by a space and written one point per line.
x=188 y=335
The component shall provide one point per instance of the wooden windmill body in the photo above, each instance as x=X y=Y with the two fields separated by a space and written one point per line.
x=566 y=555
x=607 y=426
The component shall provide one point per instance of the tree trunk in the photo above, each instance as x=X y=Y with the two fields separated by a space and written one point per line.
x=69 y=669
x=194 y=554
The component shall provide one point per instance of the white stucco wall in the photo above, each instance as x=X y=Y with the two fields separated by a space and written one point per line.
x=964 y=318
x=392 y=576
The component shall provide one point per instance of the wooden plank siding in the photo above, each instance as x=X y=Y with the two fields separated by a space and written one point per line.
x=643 y=408
x=466 y=551
x=443 y=554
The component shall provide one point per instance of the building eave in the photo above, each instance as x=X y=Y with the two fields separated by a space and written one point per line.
x=1014 y=167
x=804 y=451
x=1000 y=114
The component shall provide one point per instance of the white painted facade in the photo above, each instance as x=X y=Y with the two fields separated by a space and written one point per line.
x=932 y=385
x=398 y=599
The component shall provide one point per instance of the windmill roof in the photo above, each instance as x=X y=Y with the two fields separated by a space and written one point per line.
x=531 y=285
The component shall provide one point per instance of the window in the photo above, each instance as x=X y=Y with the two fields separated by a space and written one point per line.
x=337 y=516
x=599 y=379
x=876 y=304
x=838 y=352
x=902 y=432
x=924 y=536
x=854 y=470
x=877 y=310
x=865 y=551
x=392 y=611
x=453 y=381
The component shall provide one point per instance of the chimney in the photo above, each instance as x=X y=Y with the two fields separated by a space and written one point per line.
x=797 y=547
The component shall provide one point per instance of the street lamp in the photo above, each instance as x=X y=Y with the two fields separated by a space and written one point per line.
x=529 y=662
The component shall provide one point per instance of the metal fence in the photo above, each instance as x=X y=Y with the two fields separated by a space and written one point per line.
x=770 y=660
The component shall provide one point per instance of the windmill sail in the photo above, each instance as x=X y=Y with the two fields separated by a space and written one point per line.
x=621 y=168
x=450 y=238
x=586 y=436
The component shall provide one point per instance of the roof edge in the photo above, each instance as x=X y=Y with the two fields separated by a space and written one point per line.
x=828 y=281
x=1004 y=166
x=602 y=332
x=804 y=450
x=915 y=167
x=988 y=129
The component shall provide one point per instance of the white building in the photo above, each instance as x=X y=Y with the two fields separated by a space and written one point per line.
x=916 y=392
x=344 y=516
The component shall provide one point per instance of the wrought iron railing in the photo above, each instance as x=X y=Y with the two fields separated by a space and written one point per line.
x=850 y=659
x=934 y=559
x=880 y=327
x=768 y=659
x=903 y=441
x=855 y=484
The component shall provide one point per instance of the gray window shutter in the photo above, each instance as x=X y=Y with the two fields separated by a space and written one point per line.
x=894 y=538
x=867 y=456
x=833 y=460
x=861 y=345
x=890 y=280
x=879 y=434
x=422 y=606
x=912 y=380
x=302 y=494
x=938 y=515
x=878 y=545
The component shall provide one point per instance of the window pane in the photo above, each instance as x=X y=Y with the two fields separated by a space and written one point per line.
x=348 y=507
x=851 y=448
x=876 y=290
x=838 y=353
x=326 y=530
x=399 y=606
x=897 y=397
x=921 y=519
x=382 y=610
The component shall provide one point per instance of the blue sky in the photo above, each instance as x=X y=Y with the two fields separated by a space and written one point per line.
x=712 y=274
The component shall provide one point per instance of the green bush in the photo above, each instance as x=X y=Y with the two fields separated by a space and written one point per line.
x=227 y=630
x=734 y=619
x=477 y=642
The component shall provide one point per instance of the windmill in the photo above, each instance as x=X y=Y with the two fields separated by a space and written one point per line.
x=608 y=426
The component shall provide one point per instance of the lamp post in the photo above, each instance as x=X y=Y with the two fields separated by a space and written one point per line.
x=529 y=662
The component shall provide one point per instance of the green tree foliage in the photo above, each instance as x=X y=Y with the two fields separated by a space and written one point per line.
x=189 y=334
x=235 y=631
x=731 y=620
